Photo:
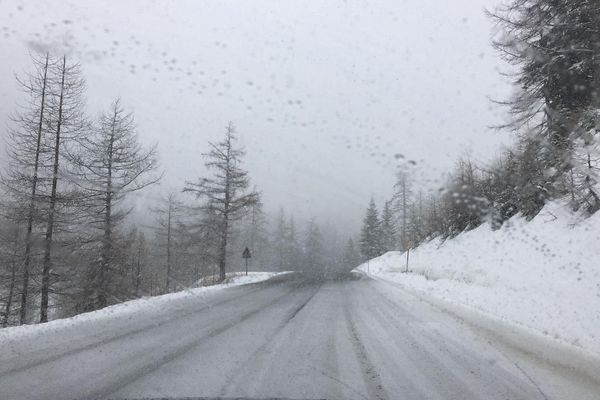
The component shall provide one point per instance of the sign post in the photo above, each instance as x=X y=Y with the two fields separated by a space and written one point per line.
x=246 y=254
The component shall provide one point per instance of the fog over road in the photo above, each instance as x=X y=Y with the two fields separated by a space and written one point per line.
x=290 y=337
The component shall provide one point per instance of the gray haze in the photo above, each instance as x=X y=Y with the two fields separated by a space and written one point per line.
x=326 y=95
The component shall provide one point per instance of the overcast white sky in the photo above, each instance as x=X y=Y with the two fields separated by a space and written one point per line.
x=325 y=94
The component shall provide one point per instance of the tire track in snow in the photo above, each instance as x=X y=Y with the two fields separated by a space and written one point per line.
x=154 y=365
x=372 y=378
x=236 y=373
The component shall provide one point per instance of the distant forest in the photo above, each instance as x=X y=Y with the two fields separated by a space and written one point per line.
x=66 y=244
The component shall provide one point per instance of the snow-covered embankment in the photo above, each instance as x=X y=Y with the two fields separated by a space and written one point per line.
x=540 y=277
x=21 y=343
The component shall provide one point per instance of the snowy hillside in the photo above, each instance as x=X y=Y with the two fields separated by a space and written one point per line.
x=543 y=275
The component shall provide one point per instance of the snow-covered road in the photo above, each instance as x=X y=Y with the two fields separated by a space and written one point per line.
x=290 y=337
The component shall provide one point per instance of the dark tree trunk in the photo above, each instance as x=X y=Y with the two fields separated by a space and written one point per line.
x=50 y=227
x=169 y=245
x=106 y=255
x=28 y=234
x=226 y=204
x=223 y=252
x=11 y=290
x=138 y=272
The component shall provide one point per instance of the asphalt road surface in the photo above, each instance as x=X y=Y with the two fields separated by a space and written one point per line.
x=293 y=338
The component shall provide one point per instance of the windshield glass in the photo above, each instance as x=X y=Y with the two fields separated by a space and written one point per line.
x=299 y=199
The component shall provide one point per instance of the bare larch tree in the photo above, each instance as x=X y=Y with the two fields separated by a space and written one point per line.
x=226 y=193
x=66 y=121
x=112 y=164
x=25 y=149
x=167 y=219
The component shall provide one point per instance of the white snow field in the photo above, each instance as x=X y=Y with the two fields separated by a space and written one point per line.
x=541 y=276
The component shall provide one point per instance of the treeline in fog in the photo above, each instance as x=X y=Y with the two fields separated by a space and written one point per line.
x=66 y=243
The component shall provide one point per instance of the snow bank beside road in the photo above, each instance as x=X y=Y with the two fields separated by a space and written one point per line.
x=28 y=339
x=543 y=275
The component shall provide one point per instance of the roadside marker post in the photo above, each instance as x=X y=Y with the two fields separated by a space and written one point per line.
x=246 y=254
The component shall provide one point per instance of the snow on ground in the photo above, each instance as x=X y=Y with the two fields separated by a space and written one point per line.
x=234 y=279
x=92 y=323
x=543 y=275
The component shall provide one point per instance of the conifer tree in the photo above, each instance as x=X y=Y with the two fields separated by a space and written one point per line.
x=351 y=255
x=370 y=239
x=389 y=237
